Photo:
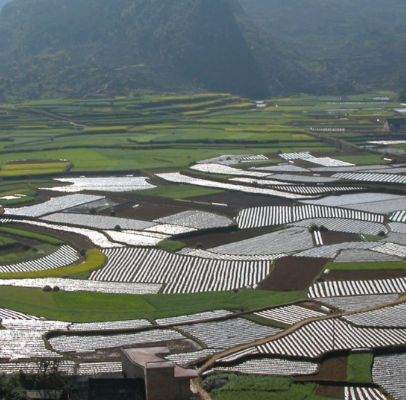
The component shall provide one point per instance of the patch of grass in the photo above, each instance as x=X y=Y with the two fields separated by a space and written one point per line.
x=371 y=238
x=91 y=307
x=171 y=245
x=95 y=259
x=359 y=367
x=366 y=265
x=363 y=159
x=27 y=254
x=242 y=387
x=179 y=191
x=31 y=235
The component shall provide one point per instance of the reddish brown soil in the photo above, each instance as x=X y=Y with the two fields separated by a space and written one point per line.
x=207 y=241
x=365 y=274
x=239 y=200
x=332 y=369
x=294 y=273
x=336 y=392
x=330 y=237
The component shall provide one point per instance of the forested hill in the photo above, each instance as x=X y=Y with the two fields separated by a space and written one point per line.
x=87 y=47
x=347 y=44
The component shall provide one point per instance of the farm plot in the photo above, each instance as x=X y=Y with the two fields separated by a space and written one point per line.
x=257 y=157
x=10 y=314
x=25 y=344
x=284 y=241
x=96 y=368
x=319 y=337
x=386 y=142
x=353 y=255
x=182 y=319
x=399 y=238
x=269 y=366
x=345 y=225
x=97 y=238
x=225 y=170
x=332 y=250
x=353 y=303
x=389 y=372
x=105 y=184
x=318 y=239
x=372 y=177
x=225 y=159
x=110 y=325
x=64 y=344
x=177 y=177
x=382 y=207
x=183 y=359
x=357 y=287
x=228 y=333
x=53 y=205
x=168 y=229
x=261 y=182
x=257 y=217
x=136 y=238
x=324 y=161
x=289 y=315
x=72 y=285
x=391 y=316
x=98 y=221
x=391 y=249
x=362 y=393
x=196 y=219
x=355 y=168
x=183 y=274
x=397 y=227
x=280 y=168
x=62 y=257
x=34 y=325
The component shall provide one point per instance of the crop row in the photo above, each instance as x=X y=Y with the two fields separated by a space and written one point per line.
x=257 y=157
x=289 y=315
x=304 y=178
x=358 y=287
x=362 y=393
x=318 y=238
x=345 y=225
x=389 y=372
x=392 y=316
x=62 y=257
x=270 y=366
x=183 y=274
x=331 y=251
x=352 y=303
x=183 y=359
x=236 y=257
x=94 y=342
x=319 y=337
x=257 y=217
x=34 y=325
x=228 y=333
x=351 y=256
x=10 y=314
x=398 y=216
x=212 y=168
x=75 y=285
x=372 y=177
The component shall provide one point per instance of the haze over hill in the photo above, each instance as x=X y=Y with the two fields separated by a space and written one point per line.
x=84 y=48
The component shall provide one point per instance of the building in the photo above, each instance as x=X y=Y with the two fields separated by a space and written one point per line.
x=395 y=124
x=163 y=379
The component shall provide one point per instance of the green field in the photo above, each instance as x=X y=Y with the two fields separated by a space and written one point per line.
x=89 y=307
x=366 y=266
x=359 y=367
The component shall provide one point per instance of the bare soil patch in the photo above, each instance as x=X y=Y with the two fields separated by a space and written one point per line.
x=335 y=392
x=293 y=273
x=330 y=237
x=332 y=369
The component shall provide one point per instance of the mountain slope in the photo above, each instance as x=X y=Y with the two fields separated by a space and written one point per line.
x=86 y=47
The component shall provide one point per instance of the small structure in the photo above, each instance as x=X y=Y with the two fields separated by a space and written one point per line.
x=395 y=124
x=163 y=379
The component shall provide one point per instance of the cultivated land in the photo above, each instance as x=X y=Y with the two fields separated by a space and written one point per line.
x=255 y=239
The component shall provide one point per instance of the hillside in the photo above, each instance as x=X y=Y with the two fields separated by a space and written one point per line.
x=54 y=48
x=345 y=44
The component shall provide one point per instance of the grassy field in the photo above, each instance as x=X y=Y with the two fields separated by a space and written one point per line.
x=31 y=235
x=359 y=367
x=242 y=387
x=87 y=307
x=366 y=265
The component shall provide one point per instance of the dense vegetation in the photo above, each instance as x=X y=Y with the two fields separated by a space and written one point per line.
x=51 y=48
